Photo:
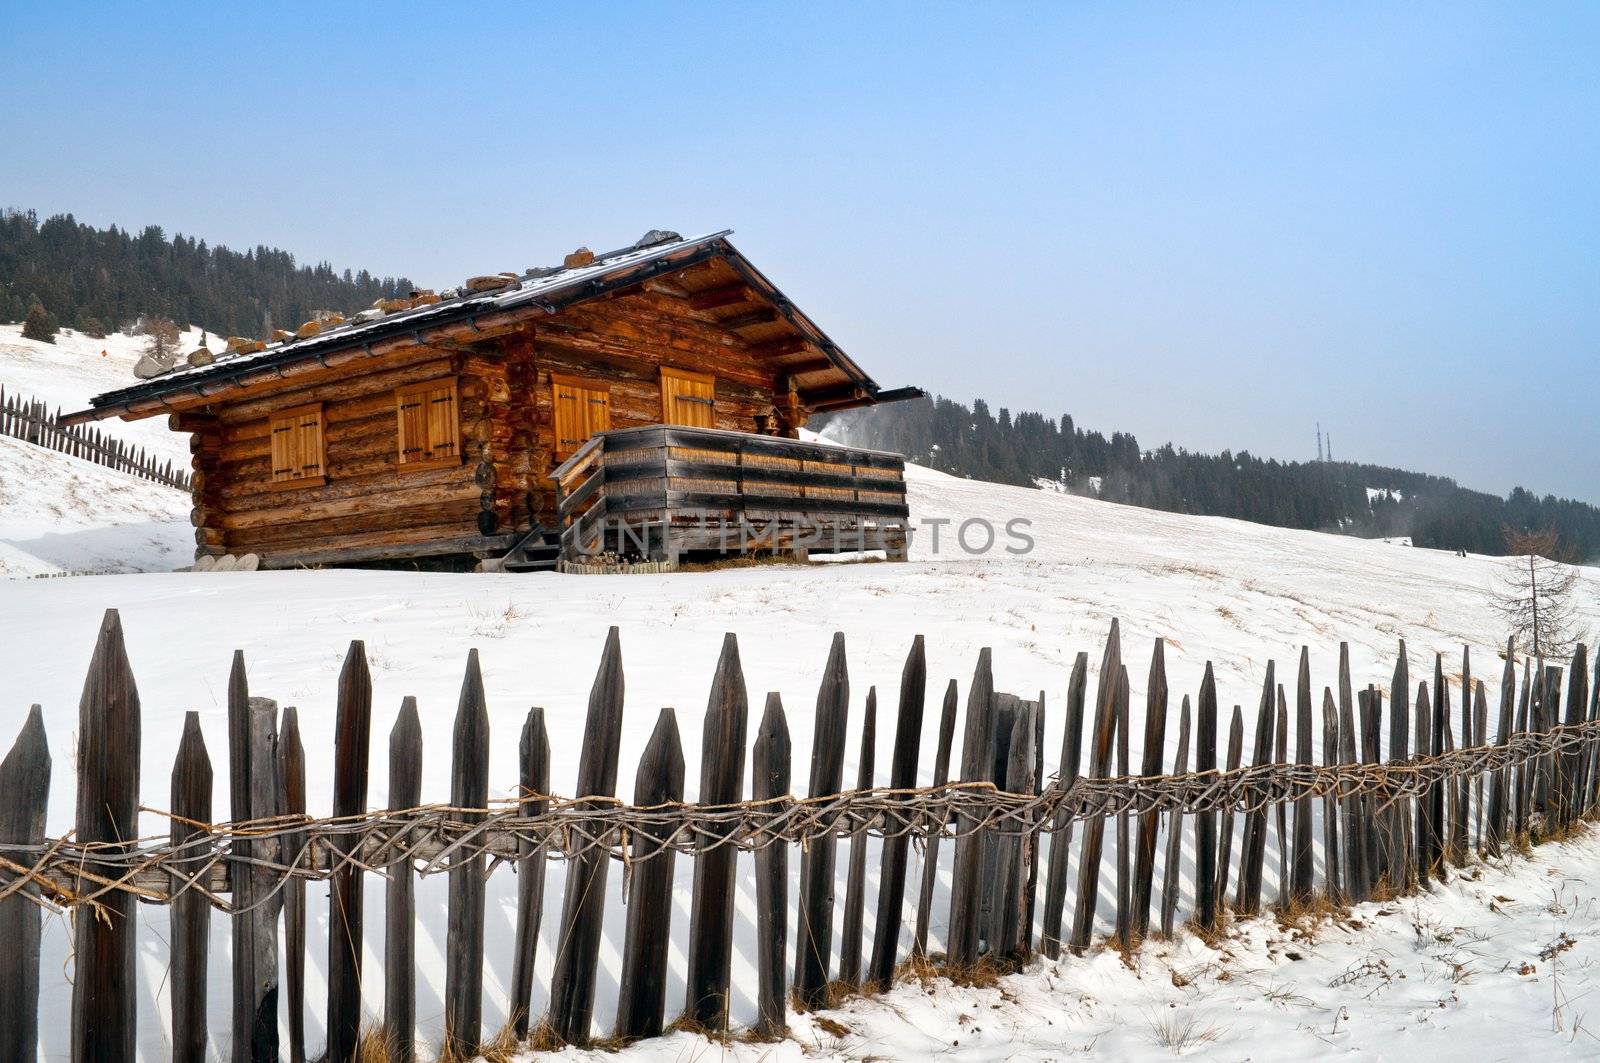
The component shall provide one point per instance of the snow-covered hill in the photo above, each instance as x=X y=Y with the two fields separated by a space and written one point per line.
x=1215 y=589
x=61 y=514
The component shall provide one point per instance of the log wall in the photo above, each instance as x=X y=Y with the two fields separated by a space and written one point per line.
x=368 y=499
x=369 y=502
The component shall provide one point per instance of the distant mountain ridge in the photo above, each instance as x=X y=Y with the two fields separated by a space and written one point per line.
x=90 y=277
x=1030 y=449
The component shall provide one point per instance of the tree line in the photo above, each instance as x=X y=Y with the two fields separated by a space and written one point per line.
x=100 y=280
x=1030 y=449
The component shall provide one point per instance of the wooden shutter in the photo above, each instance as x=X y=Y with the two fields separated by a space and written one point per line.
x=582 y=411
x=427 y=424
x=297 y=451
x=688 y=398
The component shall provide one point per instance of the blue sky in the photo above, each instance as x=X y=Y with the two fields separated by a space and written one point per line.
x=1214 y=224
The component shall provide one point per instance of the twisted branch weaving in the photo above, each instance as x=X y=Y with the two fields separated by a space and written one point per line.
x=435 y=838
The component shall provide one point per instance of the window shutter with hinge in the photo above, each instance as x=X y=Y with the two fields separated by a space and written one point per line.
x=427 y=425
x=297 y=448
x=582 y=411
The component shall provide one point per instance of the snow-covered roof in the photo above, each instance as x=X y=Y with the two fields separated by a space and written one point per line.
x=547 y=289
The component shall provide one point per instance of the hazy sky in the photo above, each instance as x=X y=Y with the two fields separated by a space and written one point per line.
x=1208 y=223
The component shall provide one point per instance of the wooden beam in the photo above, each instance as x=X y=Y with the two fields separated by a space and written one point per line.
x=777 y=348
x=807 y=365
x=661 y=286
x=725 y=295
x=764 y=316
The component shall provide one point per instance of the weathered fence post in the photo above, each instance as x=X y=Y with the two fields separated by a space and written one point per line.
x=1205 y=830
x=1526 y=723
x=1352 y=811
x=583 y=907
x=642 y=994
x=191 y=908
x=104 y=981
x=1304 y=876
x=1254 y=848
x=24 y=794
x=533 y=754
x=292 y=788
x=814 y=925
x=399 y=899
x=896 y=843
x=1094 y=832
x=255 y=902
x=1225 y=824
x=977 y=765
x=1426 y=826
x=769 y=783
x=1170 y=881
x=352 y=731
x=469 y=789
x=1397 y=850
x=1055 y=883
x=934 y=834
x=1480 y=731
x=1469 y=738
x=855 y=881
x=1573 y=761
x=1332 y=855
x=722 y=751
x=1155 y=738
x=1011 y=943
x=1500 y=785
x=1035 y=832
x=1124 y=884
x=1281 y=737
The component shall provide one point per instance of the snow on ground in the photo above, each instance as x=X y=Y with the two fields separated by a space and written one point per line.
x=64 y=514
x=1215 y=589
x=68 y=372
x=1235 y=593
x=1499 y=964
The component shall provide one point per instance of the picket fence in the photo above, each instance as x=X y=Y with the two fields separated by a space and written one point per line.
x=31 y=421
x=1402 y=801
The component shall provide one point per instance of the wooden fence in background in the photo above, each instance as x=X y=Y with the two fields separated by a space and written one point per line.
x=1394 y=804
x=31 y=421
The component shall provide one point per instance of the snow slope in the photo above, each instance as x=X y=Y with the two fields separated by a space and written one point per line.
x=68 y=372
x=62 y=514
x=1231 y=592
x=1234 y=593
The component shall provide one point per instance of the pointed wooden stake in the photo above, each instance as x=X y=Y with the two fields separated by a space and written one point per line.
x=533 y=753
x=399 y=899
x=583 y=907
x=902 y=776
x=104 y=983
x=469 y=789
x=24 y=796
x=769 y=781
x=642 y=997
x=814 y=926
x=351 y=748
x=722 y=751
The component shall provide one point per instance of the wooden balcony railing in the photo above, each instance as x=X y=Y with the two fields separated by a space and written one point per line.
x=662 y=490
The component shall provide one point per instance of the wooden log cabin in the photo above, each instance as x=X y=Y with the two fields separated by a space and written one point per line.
x=641 y=403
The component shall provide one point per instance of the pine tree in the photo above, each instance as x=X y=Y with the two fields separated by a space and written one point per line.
x=40 y=324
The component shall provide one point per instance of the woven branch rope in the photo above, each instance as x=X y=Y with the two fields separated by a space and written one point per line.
x=435 y=838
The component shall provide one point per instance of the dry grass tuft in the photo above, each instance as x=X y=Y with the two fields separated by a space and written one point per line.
x=1178 y=1032
x=832 y=1027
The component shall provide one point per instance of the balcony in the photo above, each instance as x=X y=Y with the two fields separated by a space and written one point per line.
x=663 y=492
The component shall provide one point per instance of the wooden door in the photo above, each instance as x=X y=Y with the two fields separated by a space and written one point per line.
x=688 y=398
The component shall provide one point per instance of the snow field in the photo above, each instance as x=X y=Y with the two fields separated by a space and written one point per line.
x=1215 y=589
